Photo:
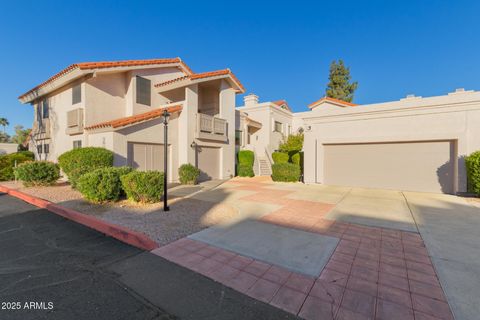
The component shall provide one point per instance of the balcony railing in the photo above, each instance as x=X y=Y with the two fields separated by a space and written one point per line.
x=211 y=128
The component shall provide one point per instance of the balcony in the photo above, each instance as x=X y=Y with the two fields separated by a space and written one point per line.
x=211 y=128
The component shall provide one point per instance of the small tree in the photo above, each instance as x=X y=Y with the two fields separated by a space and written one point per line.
x=21 y=134
x=293 y=143
x=339 y=85
x=4 y=123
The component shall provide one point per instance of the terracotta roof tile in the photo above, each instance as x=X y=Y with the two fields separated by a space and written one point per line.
x=108 y=64
x=203 y=75
x=337 y=101
x=117 y=123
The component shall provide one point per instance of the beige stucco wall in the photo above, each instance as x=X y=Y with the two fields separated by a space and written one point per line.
x=455 y=117
x=156 y=75
x=60 y=102
x=148 y=132
x=105 y=98
x=6 y=148
x=267 y=113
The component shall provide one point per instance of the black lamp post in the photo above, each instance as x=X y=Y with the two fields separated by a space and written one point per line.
x=166 y=115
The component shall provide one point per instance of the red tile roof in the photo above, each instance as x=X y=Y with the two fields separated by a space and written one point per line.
x=203 y=75
x=333 y=100
x=108 y=64
x=117 y=123
x=281 y=103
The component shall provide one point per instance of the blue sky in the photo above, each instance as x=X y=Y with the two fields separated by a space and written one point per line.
x=278 y=50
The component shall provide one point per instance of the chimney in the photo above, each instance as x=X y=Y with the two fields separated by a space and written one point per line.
x=250 y=100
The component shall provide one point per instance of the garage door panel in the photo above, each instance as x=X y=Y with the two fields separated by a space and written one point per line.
x=415 y=166
x=208 y=161
x=144 y=156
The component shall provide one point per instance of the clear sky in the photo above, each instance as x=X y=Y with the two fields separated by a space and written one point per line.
x=278 y=50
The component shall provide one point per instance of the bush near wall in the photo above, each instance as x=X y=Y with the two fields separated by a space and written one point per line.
x=472 y=162
x=245 y=170
x=37 y=173
x=7 y=163
x=79 y=161
x=102 y=184
x=188 y=174
x=280 y=157
x=246 y=157
x=285 y=172
x=143 y=186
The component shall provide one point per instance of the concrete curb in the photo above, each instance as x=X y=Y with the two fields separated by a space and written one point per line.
x=123 y=234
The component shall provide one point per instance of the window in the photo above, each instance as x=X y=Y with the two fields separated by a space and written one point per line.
x=77 y=144
x=238 y=137
x=45 y=110
x=144 y=87
x=278 y=127
x=39 y=112
x=39 y=149
x=46 y=148
x=77 y=94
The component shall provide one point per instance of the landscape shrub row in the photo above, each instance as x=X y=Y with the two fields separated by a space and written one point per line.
x=472 y=162
x=37 y=173
x=288 y=161
x=285 y=172
x=8 y=161
x=188 y=174
x=245 y=161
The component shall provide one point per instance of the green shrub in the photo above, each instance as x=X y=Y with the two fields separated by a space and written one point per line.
x=79 y=161
x=102 y=184
x=472 y=162
x=286 y=172
x=246 y=157
x=245 y=170
x=7 y=163
x=27 y=153
x=143 y=186
x=280 y=157
x=188 y=174
x=37 y=173
x=295 y=158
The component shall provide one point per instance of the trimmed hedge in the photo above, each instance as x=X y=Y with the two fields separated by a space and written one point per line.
x=296 y=158
x=102 y=184
x=79 y=161
x=188 y=174
x=246 y=157
x=280 y=157
x=7 y=163
x=472 y=162
x=286 y=172
x=143 y=186
x=245 y=170
x=37 y=173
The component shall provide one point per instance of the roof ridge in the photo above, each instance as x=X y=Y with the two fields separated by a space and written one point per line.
x=149 y=115
x=107 y=64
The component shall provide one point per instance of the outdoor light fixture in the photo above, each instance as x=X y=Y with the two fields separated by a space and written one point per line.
x=166 y=116
x=193 y=145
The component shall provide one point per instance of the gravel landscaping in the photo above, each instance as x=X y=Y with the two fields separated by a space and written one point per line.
x=186 y=216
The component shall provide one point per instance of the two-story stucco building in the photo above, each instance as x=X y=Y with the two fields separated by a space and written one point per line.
x=119 y=106
x=415 y=143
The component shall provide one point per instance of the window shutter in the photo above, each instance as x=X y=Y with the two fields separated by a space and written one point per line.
x=144 y=93
x=76 y=94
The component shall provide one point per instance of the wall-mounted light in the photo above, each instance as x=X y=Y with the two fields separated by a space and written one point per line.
x=193 y=145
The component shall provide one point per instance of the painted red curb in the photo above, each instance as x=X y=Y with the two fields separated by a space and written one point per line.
x=123 y=234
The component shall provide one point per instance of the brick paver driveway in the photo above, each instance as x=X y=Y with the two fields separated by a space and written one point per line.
x=318 y=252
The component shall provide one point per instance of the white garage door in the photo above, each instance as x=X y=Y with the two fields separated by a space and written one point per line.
x=146 y=156
x=208 y=161
x=413 y=166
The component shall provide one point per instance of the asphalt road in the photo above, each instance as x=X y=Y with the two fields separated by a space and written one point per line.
x=52 y=268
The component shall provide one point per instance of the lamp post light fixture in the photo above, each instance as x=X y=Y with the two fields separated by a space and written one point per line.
x=166 y=116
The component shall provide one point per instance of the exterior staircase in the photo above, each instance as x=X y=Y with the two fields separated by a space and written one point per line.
x=264 y=166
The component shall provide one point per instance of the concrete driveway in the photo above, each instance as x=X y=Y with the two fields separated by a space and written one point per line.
x=328 y=252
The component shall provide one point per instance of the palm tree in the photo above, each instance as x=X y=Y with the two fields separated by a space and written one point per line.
x=4 y=123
